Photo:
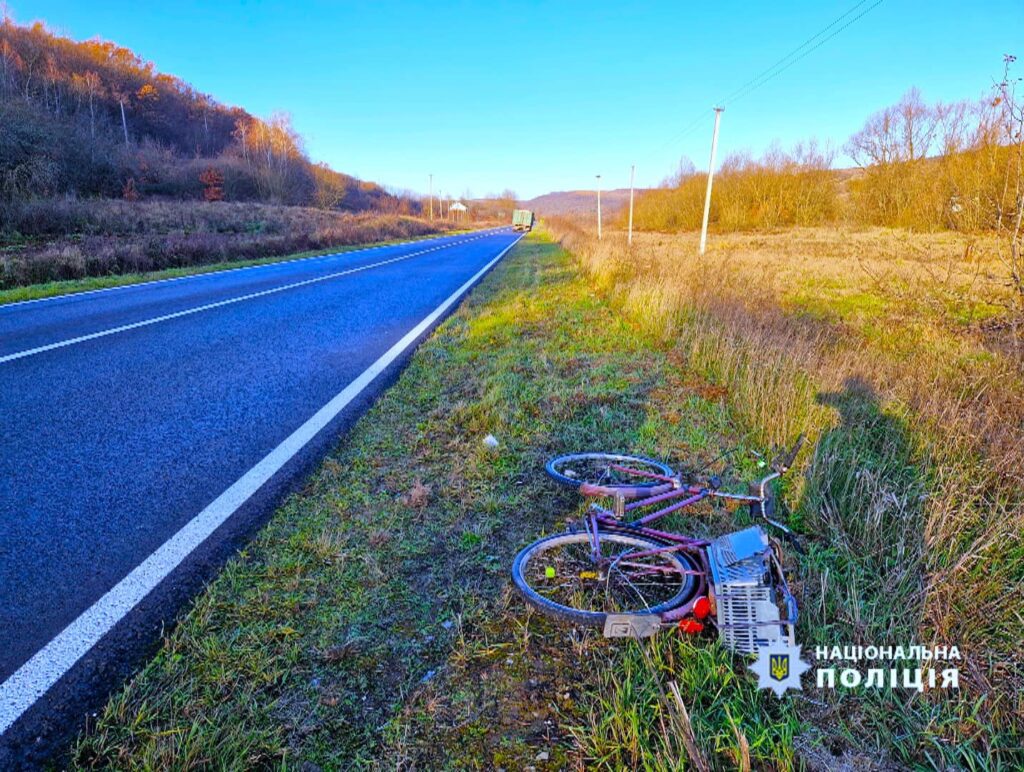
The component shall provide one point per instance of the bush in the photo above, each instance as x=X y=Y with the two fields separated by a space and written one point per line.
x=73 y=239
x=780 y=189
x=920 y=166
x=933 y=166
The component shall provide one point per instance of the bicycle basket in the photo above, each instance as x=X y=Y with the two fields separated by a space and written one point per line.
x=744 y=592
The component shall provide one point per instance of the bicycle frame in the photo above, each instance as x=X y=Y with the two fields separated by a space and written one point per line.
x=644 y=497
x=680 y=497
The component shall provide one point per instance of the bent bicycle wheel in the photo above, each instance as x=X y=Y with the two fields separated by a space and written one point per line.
x=559 y=577
x=610 y=474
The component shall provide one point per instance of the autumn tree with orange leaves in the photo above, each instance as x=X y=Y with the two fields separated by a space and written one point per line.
x=213 y=182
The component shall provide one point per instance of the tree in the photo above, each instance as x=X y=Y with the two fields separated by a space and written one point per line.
x=213 y=181
x=507 y=201
x=901 y=133
x=53 y=74
x=130 y=192
x=330 y=186
x=92 y=85
x=1010 y=222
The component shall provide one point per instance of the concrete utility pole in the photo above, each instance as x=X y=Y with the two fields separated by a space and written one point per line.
x=431 y=197
x=632 y=172
x=711 y=174
x=598 y=207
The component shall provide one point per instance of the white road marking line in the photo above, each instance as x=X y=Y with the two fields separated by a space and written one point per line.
x=221 y=303
x=33 y=679
x=208 y=274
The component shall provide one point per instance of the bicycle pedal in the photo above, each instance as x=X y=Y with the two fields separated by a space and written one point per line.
x=631 y=625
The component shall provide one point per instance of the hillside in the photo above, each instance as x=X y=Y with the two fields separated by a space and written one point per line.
x=571 y=202
x=95 y=119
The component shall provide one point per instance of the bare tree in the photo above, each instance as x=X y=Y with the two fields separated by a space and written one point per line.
x=53 y=78
x=900 y=133
x=1009 y=222
x=91 y=82
x=11 y=63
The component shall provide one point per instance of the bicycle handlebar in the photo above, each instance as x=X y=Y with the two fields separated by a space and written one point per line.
x=785 y=461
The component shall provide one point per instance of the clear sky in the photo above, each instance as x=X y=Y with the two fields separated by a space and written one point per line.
x=536 y=96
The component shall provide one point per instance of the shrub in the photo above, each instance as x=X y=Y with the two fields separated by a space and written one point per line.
x=72 y=239
x=780 y=189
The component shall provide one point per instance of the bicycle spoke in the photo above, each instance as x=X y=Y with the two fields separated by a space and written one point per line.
x=610 y=471
x=617 y=582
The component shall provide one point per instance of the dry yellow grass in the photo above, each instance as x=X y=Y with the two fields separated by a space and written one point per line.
x=893 y=351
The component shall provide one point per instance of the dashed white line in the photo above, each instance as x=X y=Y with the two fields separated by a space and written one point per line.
x=211 y=274
x=221 y=303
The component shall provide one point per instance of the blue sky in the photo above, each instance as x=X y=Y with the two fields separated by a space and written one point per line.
x=542 y=96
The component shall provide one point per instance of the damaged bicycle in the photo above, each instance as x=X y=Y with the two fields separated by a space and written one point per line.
x=618 y=572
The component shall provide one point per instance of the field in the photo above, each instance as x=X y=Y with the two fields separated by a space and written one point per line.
x=94 y=242
x=372 y=623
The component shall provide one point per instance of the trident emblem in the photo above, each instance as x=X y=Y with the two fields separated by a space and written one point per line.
x=779 y=666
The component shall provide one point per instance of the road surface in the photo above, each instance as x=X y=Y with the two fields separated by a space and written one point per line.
x=145 y=430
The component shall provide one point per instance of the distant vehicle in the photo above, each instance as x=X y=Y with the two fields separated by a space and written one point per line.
x=522 y=220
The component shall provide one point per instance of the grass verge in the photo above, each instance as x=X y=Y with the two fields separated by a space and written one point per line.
x=370 y=623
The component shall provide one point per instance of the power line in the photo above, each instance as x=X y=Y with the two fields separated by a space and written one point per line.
x=795 y=51
x=760 y=81
x=686 y=130
x=815 y=42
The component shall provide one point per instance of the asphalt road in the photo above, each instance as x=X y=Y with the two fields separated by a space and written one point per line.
x=135 y=422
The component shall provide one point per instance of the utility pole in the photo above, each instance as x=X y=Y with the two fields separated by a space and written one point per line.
x=598 y=207
x=711 y=174
x=431 y=197
x=632 y=173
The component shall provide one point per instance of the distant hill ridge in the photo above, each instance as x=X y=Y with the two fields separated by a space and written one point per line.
x=569 y=202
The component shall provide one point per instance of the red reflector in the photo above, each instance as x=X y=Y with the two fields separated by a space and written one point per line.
x=701 y=607
x=690 y=626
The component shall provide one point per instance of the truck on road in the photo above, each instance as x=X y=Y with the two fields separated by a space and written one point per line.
x=522 y=220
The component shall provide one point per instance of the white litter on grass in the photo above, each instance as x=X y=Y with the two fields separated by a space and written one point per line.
x=491 y=441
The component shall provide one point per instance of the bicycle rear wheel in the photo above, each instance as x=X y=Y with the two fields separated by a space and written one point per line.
x=610 y=474
x=559 y=577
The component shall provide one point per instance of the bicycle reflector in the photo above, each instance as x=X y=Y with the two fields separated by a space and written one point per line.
x=690 y=626
x=701 y=607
